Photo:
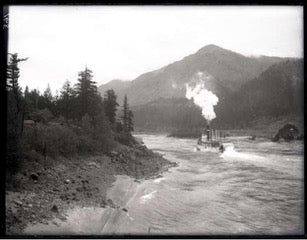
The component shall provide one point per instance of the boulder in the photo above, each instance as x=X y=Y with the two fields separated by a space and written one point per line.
x=67 y=181
x=34 y=176
x=17 y=202
x=55 y=209
x=288 y=133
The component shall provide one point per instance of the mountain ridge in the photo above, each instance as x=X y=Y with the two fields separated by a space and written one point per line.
x=229 y=70
x=276 y=93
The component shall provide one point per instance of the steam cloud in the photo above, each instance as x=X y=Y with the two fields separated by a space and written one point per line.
x=202 y=97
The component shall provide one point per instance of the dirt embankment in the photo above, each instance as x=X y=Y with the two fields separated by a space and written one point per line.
x=45 y=188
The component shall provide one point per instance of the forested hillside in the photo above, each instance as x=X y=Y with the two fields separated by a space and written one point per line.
x=76 y=121
x=277 y=92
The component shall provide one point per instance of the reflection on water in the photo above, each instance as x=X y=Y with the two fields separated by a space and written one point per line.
x=255 y=188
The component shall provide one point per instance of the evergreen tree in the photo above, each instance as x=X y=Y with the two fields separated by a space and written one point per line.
x=110 y=105
x=13 y=72
x=12 y=79
x=47 y=99
x=127 y=122
x=88 y=99
x=124 y=117
x=65 y=103
x=48 y=94
x=15 y=111
x=35 y=98
x=28 y=106
x=130 y=122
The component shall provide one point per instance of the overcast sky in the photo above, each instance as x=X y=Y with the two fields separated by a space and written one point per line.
x=124 y=42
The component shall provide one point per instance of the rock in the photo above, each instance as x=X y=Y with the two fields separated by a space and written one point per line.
x=55 y=223
x=76 y=199
x=30 y=205
x=34 y=177
x=44 y=221
x=55 y=209
x=67 y=181
x=64 y=197
x=93 y=164
x=56 y=190
x=18 y=202
x=111 y=203
x=62 y=218
x=288 y=133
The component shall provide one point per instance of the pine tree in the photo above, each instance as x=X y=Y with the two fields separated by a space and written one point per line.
x=15 y=109
x=48 y=94
x=88 y=99
x=127 y=117
x=28 y=106
x=124 y=117
x=13 y=72
x=65 y=103
x=130 y=122
x=110 y=105
x=12 y=79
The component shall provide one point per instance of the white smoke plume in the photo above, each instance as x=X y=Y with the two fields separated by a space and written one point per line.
x=202 y=97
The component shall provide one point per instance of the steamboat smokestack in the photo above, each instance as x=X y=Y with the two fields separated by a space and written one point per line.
x=208 y=132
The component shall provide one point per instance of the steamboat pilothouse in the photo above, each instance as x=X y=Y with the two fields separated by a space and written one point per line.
x=211 y=139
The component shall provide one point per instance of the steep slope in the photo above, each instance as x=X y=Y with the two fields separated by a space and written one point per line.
x=229 y=70
x=115 y=84
x=276 y=93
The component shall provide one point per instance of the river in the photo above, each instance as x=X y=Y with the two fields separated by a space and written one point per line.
x=257 y=188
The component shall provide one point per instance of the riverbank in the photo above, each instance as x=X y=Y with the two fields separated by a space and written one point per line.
x=45 y=189
x=262 y=128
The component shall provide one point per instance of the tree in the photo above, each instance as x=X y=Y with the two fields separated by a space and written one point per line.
x=127 y=122
x=13 y=72
x=130 y=121
x=110 y=105
x=47 y=94
x=102 y=132
x=15 y=111
x=65 y=103
x=47 y=100
x=88 y=99
x=12 y=79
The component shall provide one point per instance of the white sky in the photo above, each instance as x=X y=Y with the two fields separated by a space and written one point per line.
x=126 y=41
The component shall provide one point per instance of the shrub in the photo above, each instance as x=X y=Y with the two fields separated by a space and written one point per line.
x=51 y=139
x=43 y=115
x=124 y=138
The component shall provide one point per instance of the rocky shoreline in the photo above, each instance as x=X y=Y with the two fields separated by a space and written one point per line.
x=44 y=189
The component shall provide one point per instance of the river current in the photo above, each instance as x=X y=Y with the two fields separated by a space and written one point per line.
x=254 y=189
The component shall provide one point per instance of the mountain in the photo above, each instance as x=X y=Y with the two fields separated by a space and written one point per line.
x=276 y=93
x=229 y=70
x=116 y=84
